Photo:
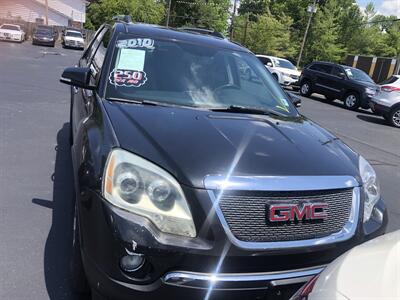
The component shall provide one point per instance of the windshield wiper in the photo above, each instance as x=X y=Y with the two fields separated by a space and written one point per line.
x=247 y=110
x=137 y=101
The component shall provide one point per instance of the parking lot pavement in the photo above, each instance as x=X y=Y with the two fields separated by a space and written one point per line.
x=369 y=135
x=35 y=172
x=36 y=175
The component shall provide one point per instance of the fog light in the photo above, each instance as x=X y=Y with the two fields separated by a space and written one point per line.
x=132 y=263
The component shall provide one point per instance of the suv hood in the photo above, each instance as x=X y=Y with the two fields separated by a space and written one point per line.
x=192 y=144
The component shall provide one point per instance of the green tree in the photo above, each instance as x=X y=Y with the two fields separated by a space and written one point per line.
x=268 y=35
x=148 y=11
x=253 y=8
x=200 y=13
x=324 y=39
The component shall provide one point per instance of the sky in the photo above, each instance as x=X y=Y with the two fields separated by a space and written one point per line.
x=384 y=7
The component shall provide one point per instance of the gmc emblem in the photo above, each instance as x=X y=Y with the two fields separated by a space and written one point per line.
x=292 y=212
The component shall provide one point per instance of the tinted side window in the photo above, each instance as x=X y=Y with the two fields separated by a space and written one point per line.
x=264 y=60
x=95 y=43
x=321 y=68
x=98 y=58
x=336 y=71
x=315 y=67
x=99 y=55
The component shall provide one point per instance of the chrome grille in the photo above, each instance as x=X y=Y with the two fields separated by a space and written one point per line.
x=246 y=215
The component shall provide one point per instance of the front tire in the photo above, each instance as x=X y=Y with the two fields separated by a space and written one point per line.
x=352 y=101
x=394 y=117
x=79 y=283
x=305 y=89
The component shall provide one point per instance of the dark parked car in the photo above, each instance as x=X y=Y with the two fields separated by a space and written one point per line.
x=43 y=37
x=50 y=28
x=194 y=181
x=353 y=86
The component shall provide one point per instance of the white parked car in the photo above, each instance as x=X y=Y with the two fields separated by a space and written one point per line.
x=282 y=69
x=73 y=39
x=386 y=101
x=11 y=32
x=369 y=271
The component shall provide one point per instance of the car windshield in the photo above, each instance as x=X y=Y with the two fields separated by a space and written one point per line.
x=358 y=75
x=283 y=63
x=43 y=32
x=186 y=74
x=73 y=34
x=10 y=27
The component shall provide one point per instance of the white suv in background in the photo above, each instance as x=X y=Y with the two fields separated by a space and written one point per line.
x=282 y=69
x=73 y=39
x=11 y=32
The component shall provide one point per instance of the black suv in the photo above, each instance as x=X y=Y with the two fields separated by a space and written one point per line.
x=195 y=181
x=353 y=86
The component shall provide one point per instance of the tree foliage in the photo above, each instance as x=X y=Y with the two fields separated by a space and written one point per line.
x=147 y=11
x=200 y=13
x=338 y=28
x=275 y=27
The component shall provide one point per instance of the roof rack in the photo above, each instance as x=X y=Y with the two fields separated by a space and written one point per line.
x=122 y=18
x=205 y=31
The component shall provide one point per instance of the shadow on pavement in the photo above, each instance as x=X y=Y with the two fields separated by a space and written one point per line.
x=58 y=245
x=374 y=120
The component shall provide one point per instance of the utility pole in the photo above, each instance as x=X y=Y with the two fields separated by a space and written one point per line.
x=312 y=10
x=233 y=19
x=168 y=12
x=47 y=12
x=245 y=30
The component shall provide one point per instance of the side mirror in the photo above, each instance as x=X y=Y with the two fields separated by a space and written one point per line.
x=342 y=75
x=269 y=64
x=78 y=77
x=296 y=100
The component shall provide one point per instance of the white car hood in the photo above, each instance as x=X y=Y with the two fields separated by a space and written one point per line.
x=10 y=31
x=287 y=71
x=368 y=271
x=72 y=38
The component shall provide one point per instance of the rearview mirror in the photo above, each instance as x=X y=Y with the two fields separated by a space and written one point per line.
x=79 y=77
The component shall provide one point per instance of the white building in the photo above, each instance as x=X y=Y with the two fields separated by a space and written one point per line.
x=60 y=12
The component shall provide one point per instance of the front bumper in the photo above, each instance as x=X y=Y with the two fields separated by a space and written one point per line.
x=178 y=267
x=11 y=38
x=378 y=108
x=43 y=42
x=70 y=44
x=289 y=81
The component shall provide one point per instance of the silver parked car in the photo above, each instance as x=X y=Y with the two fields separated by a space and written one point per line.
x=387 y=101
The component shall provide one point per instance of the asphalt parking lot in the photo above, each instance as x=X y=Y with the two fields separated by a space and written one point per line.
x=36 y=175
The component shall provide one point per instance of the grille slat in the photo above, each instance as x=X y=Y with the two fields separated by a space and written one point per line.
x=245 y=212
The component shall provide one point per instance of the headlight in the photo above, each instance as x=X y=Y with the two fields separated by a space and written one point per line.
x=286 y=74
x=370 y=91
x=140 y=187
x=371 y=187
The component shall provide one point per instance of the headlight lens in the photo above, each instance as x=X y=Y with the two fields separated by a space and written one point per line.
x=138 y=186
x=371 y=187
x=370 y=91
x=286 y=74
